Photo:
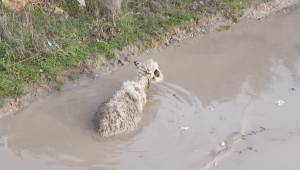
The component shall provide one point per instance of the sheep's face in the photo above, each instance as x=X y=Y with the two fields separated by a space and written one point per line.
x=150 y=69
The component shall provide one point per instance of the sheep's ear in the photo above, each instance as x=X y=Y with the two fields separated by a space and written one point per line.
x=138 y=64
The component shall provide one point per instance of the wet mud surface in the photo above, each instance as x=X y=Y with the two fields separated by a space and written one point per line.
x=230 y=100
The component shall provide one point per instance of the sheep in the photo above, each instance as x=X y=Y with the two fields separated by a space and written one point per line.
x=121 y=113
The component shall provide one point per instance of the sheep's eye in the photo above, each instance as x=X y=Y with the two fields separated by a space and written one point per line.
x=156 y=73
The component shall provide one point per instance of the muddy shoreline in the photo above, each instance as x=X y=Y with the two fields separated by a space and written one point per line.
x=99 y=65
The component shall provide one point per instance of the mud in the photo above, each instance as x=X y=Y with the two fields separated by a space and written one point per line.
x=218 y=109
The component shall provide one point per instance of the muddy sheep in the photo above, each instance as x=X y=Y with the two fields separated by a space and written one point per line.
x=121 y=113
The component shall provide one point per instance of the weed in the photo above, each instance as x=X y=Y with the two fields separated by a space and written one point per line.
x=2 y=103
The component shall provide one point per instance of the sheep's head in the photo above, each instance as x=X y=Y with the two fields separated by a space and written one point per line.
x=149 y=68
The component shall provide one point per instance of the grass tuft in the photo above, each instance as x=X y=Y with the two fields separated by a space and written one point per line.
x=2 y=103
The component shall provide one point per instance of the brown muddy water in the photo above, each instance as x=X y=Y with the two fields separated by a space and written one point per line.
x=230 y=100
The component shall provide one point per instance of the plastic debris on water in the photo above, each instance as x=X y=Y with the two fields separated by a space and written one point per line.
x=223 y=143
x=184 y=128
x=280 y=102
x=4 y=142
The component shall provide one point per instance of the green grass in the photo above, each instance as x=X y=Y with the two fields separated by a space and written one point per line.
x=1 y=104
x=36 y=42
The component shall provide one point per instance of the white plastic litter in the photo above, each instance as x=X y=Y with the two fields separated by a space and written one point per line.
x=280 y=102
x=223 y=143
x=184 y=128
x=50 y=45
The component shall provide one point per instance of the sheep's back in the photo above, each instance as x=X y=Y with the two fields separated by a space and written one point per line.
x=120 y=114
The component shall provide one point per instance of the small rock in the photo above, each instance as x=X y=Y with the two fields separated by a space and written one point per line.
x=261 y=129
x=58 y=10
x=120 y=62
x=82 y=3
x=280 y=102
x=292 y=89
x=126 y=59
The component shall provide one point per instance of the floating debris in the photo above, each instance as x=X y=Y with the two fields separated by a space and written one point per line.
x=223 y=144
x=292 y=89
x=184 y=128
x=215 y=164
x=261 y=129
x=280 y=102
x=250 y=148
x=211 y=108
